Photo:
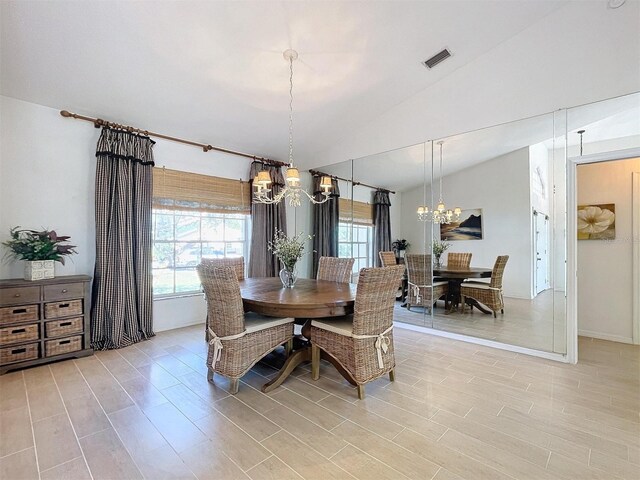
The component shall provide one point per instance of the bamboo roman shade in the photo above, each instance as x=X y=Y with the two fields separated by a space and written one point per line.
x=362 y=212
x=177 y=190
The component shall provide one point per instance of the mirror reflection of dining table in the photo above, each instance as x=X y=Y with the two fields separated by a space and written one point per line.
x=455 y=276
x=307 y=300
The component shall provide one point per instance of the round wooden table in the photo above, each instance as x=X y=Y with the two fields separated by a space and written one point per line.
x=455 y=277
x=308 y=299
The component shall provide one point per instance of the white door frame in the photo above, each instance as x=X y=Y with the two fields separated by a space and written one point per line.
x=572 y=246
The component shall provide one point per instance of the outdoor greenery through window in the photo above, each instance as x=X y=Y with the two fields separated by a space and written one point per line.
x=355 y=241
x=182 y=238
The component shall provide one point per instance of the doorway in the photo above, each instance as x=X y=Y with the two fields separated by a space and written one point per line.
x=541 y=252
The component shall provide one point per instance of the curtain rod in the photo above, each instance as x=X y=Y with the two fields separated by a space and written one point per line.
x=316 y=173
x=98 y=122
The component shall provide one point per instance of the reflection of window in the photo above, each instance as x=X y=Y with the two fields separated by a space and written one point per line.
x=182 y=238
x=355 y=241
x=195 y=216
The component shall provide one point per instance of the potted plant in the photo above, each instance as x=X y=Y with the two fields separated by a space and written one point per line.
x=39 y=250
x=289 y=251
x=400 y=246
x=438 y=249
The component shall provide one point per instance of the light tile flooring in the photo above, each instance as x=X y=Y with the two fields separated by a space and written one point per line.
x=527 y=323
x=456 y=410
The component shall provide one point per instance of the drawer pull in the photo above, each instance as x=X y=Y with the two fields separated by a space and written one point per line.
x=18 y=350
x=64 y=342
x=64 y=290
x=17 y=295
x=63 y=305
x=19 y=330
x=20 y=310
x=65 y=324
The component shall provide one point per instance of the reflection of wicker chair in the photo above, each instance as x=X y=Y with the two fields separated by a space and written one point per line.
x=238 y=266
x=238 y=341
x=423 y=291
x=490 y=293
x=458 y=260
x=335 y=269
x=387 y=259
x=362 y=343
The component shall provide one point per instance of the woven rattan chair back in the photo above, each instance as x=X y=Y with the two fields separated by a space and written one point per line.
x=458 y=260
x=375 y=299
x=224 y=302
x=498 y=271
x=335 y=269
x=387 y=259
x=419 y=269
x=236 y=263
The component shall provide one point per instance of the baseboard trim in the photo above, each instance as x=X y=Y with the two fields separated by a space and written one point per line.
x=558 y=357
x=173 y=327
x=605 y=336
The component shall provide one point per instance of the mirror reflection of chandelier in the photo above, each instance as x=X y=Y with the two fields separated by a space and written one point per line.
x=292 y=190
x=439 y=214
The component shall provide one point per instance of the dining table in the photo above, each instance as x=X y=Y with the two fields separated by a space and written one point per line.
x=308 y=299
x=455 y=276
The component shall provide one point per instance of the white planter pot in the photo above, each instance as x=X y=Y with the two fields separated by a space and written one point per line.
x=39 y=269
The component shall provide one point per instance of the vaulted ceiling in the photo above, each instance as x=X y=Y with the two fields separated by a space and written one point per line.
x=214 y=71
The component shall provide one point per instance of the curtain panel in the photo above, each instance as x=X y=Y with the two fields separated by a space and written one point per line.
x=121 y=309
x=381 y=224
x=265 y=221
x=326 y=217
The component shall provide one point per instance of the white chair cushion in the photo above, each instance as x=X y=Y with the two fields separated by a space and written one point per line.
x=339 y=325
x=482 y=286
x=434 y=284
x=254 y=322
x=438 y=284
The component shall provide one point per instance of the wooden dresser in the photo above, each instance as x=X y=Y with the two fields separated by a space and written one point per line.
x=43 y=321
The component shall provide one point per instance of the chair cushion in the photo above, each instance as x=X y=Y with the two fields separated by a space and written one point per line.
x=339 y=325
x=439 y=284
x=481 y=286
x=254 y=322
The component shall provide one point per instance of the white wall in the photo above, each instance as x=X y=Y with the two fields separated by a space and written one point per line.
x=500 y=187
x=605 y=267
x=47 y=175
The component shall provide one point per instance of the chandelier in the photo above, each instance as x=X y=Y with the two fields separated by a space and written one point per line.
x=292 y=190
x=440 y=214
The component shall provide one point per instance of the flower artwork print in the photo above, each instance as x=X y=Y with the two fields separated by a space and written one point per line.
x=597 y=222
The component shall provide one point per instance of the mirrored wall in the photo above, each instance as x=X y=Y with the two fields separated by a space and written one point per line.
x=480 y=222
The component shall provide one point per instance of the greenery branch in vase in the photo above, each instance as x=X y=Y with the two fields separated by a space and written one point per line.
x=288 y=250
x=40 y=249
x=438 y=249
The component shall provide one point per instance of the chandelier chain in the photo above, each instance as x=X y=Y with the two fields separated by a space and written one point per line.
x=291 y=110
x=440 y=172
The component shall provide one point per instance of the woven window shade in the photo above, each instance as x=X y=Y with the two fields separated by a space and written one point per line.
x=362 y=212
x=177 y=190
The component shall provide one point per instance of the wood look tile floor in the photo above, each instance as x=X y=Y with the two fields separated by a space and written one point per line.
x=455 y=411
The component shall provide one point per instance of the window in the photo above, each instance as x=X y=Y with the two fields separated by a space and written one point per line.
x=355 y=241
x=182 y=238
x=195 y=216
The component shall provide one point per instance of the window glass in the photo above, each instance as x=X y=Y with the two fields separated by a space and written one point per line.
x=181 y=240
x=355 y=241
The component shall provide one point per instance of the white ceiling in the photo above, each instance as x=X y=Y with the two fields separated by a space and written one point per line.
x=214 y=72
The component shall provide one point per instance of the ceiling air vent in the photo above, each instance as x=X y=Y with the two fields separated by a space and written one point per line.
x=437 y=58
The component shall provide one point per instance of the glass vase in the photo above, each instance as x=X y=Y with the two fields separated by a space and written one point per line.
x=437 y=263
x=288 y=277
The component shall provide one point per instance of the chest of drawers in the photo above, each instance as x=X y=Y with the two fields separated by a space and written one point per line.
x=43 y=321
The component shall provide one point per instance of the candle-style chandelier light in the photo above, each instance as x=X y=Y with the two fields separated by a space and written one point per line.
x=440 y=214
x=292 y=190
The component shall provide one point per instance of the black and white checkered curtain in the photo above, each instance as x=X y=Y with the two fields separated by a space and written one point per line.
x=121 y=306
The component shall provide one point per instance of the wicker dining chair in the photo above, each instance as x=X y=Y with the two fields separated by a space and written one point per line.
x=458 y=260
x=237 y=340
x=361 y=343
x=387 y=259
x=238 y=267
x=335 y=269
x=489 y=294
x=423 y=291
